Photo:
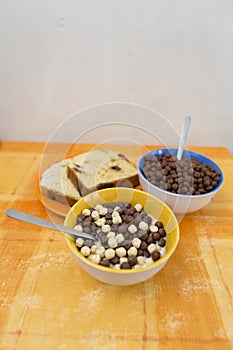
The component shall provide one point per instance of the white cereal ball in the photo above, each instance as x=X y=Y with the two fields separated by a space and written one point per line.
x=143 y=225
x=100 y=222
x=111 y=234
x=132 y=251
x=98 y=207
x=137 y=266
x=153 y=228
x=100 y=251
x=116 y=220
x=138 y=207
x=98 y=244
x=115 y=213
x=149 y=261
x=112 y=242
x=103 y=211
x=116 y=208
x=123 y=259
x=78 y=228
x=95 y=215
x=109 y=253
x=86 y=212
x=79 y=242
x=132 y=229
x=96 y=258
x=151 y=248
x=85 y=250
x=136 y=242
x=141 y=260
x=106 y=228
x=120 y=238
x=121 y=252
x=116 y=266
x=93 y=248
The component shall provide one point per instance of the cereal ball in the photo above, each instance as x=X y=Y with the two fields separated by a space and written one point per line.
x=93 y=248
x=100 y=251
x=121 y=252
x=123 y=259
x=78 y=228
x=95 y=215
x=138 y=207
x=136 y=242
x=115 y=213
x=127 y=244
x=112 y=242
x=98 y=207
x=106 y=228
x=116 y=208
x=95 y=258
x=137 y=266
x=79 y=242
x=153 y=228
x=109 y=253
x=149 y=261
x=132 y=251
x=116 y=267
x=132 y=229
x=116 y=219
x=105 y=262
x=125 y=265
x=103 y=211
x=141 y=260
x=85 y=250
x=86 y=212
x=115 y=260
x=111 y=234
x=100 y=222
x=132 y=260
x=162 y=242
x=143 y=225
x=155 y=255
x=151 y=248
x=88 y=243
x=120 y=238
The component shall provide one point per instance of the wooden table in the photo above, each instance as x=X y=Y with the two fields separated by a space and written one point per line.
x=48 y=302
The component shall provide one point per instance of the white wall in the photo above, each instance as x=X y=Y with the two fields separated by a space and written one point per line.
x=174 y=56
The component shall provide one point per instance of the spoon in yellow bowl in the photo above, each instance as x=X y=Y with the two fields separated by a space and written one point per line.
x=19 y=215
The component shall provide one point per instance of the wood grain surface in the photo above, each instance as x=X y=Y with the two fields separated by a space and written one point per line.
x=48 y=302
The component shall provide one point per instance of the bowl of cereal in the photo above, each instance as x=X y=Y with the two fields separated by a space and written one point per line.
x=135 y=235
x=185 y=185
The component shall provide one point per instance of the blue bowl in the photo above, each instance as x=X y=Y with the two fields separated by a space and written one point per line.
x=179 y=203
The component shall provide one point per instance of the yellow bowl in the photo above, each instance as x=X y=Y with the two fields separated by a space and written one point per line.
x=154 y=206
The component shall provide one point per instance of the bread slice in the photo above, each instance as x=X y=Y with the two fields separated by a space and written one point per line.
x=102 y=169
x=55 y=184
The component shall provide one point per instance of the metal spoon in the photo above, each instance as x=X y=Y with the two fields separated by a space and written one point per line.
x=183 y=136
x=19 y=215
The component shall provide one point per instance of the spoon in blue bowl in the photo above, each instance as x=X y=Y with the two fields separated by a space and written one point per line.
x=183 y=136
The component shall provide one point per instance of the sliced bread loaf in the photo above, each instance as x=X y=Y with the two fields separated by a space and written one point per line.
x=101 y=169
x=57 y=186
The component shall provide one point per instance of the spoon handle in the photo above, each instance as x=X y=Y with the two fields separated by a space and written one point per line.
x=19 y=215
x=183 y=137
